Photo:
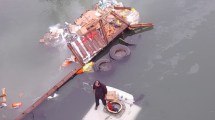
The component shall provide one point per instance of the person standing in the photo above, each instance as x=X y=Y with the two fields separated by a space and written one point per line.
x=100 y=92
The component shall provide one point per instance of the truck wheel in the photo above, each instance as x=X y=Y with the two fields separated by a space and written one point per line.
x=118 y=52
x=102 y=65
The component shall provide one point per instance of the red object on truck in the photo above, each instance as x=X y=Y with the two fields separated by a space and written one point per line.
x=110 y=106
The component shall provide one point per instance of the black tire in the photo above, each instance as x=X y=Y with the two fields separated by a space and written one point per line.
x=102 y=65
x=118 y=52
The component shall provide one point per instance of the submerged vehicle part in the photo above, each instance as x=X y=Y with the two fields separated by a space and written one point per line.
x=127 y=111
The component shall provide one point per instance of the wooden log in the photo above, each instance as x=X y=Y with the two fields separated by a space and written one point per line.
x=141 y=25
x=74 y=53
x=122 y=8
x=47 y=94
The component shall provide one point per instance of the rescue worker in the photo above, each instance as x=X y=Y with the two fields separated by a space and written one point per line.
x=100 y=92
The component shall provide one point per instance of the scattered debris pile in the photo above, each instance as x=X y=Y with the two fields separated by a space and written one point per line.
x=93 y=30
x=3 y=103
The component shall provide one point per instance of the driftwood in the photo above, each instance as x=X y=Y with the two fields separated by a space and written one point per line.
x=122 y=8
x=140 y=25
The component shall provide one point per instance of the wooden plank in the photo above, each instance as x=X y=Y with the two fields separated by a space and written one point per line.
x=74 y=53
x=103 y=31
x=50 y=92
x=101 y=42
x=122 y=8
x=141 y=25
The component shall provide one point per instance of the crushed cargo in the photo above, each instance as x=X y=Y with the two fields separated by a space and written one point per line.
x=94 y=30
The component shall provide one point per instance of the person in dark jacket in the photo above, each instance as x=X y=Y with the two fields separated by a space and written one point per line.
x=100 y=92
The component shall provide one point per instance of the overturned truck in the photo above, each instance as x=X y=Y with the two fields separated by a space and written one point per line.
x=94 y=30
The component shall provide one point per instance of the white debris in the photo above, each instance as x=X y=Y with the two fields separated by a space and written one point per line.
x=53 y=96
